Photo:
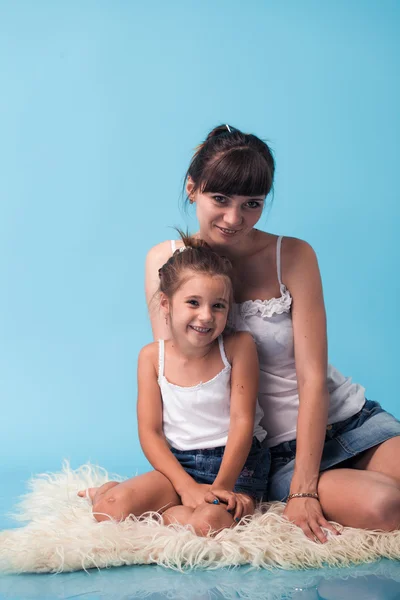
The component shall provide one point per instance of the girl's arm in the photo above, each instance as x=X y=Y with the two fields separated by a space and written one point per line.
x=244 y=390
x=156 y=258
x=151 y=435
x=302 y=277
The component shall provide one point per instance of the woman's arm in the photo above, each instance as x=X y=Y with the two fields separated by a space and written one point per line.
x=244 y=389
x=156 y=258
x=301 y=276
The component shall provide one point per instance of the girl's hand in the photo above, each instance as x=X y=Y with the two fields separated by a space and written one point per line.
x=239 y=505
x=195 y=493
x=307 y=514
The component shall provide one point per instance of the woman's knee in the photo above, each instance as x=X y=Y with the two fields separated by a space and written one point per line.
x=383 y=509
x=210 y=518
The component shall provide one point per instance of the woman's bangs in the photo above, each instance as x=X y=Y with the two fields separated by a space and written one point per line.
x=241 y=172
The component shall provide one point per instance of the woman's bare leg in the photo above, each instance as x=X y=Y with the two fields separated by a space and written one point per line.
x=383 y=458
x=365 y=499
x=149 y=492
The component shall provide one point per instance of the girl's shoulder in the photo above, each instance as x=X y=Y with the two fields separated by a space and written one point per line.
x=237 y=341
x=149 y=354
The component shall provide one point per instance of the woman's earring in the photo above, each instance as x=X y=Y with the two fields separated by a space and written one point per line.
x=166 y=319
x=191 y=201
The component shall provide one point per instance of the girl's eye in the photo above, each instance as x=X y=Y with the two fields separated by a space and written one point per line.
x=193 y=302
x=219 y=306
x=253 y=204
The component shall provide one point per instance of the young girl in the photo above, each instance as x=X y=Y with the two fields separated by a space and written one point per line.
x=197 y=406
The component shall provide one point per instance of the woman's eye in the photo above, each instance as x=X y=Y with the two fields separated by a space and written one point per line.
x=253 y=204
x=219 y=199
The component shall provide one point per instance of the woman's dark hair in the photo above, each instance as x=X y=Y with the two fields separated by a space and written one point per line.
x=196 y=256
x=231 y=162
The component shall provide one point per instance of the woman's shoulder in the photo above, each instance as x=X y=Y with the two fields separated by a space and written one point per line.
x=294 y=244
x=295 y=252
x=162 y=251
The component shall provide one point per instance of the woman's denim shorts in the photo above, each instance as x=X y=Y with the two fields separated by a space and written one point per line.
x=203 y=466
x=344 y=440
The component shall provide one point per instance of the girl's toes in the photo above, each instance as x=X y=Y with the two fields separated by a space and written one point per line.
x=89 y=493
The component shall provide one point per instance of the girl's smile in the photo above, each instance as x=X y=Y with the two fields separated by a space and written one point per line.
x=199 y=309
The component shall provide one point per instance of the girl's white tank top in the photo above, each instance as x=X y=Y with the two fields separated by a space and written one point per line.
x=198 y=416
x=270 y=323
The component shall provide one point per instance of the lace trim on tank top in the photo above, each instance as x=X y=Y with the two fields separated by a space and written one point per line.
x=267 y=308
x=161 y=376
x=272 y=306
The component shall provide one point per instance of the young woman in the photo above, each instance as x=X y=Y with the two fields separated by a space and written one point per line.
x=197 y=406
x=334 y=453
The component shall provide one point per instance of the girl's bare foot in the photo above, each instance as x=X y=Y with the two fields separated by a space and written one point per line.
x=89 y=493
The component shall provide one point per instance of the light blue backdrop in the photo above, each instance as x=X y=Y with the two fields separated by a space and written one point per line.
x=101 y=105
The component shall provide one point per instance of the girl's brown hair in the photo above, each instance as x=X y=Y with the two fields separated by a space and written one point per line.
x=231 y=162
x=196 y=256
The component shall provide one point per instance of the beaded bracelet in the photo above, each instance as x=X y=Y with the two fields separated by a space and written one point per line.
x=304 y=495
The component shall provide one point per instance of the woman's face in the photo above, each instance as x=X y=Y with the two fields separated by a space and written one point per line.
x=226 y=220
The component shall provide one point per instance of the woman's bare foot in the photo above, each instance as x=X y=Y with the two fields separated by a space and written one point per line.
x=89 y=493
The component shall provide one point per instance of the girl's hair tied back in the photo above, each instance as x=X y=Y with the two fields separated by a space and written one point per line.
x=197 y=256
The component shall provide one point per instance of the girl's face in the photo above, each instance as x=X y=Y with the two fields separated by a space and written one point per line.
x=198 y=310
x=226 y=220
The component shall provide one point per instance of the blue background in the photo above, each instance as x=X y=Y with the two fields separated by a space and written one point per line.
x=101 y=106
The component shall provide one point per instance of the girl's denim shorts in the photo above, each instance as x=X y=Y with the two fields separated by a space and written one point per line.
x=203 y=466
x=343 y=441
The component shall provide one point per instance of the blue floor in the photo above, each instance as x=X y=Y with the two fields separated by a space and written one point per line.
x=377 y=581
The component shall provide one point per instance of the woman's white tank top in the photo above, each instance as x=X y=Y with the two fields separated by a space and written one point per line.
x=270 y=323
x=198 y=416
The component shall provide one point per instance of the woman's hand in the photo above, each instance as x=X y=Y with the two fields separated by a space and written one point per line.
x=307 y=514
x=195 y=493
x=239 y=505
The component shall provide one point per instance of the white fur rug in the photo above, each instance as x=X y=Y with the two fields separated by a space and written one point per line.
x=61 y=535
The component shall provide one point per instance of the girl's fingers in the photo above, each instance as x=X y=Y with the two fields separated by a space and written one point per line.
x=239 y=510
x=229 y=498
x=232 y=503
x=211 y=498
x=248 y=507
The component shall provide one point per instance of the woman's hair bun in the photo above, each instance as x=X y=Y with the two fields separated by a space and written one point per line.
x=217 y=131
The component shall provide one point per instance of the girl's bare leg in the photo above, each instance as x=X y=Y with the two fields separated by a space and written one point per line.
x=205 y=519
x=149 y=492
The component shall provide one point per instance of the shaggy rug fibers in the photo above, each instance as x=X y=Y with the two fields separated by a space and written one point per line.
x=61 y=535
